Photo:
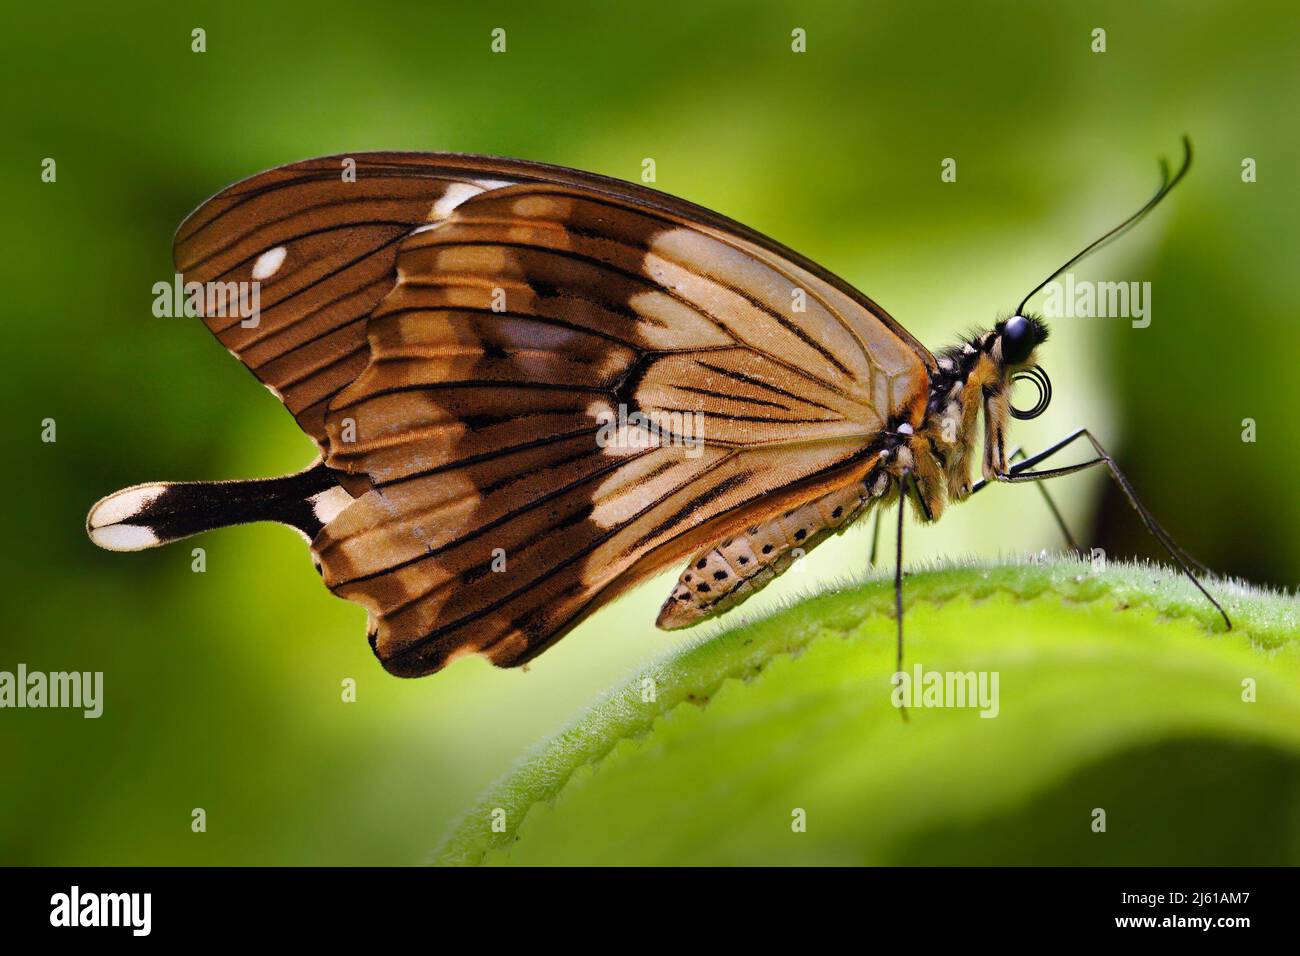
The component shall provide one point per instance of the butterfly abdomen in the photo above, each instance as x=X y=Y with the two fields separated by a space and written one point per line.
x=727 y=575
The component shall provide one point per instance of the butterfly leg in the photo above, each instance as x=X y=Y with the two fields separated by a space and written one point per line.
x=1023 y=471
x=875 y=539
x=1071 y=542
x=1168 y=541
x=898 y=584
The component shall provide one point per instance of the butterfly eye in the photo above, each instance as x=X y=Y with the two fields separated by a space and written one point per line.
x=1017 y=340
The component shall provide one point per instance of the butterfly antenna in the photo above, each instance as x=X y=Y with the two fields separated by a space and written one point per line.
x=1166 y=184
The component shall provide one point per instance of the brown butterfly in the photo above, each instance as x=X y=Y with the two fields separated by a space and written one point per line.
x=533 y=388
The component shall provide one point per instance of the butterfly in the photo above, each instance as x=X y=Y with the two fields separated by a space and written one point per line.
x=532 y=388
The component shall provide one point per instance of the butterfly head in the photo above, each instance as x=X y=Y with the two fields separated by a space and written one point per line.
x=1017 y=337
x=979 y=375
x=1014 y=351
x=984 y=369
x=1011 y=350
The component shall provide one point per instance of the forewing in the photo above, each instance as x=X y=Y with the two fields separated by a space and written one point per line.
x=320 y=238
x=514 y=491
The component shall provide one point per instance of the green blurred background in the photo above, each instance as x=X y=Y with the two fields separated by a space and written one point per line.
x=223 y=688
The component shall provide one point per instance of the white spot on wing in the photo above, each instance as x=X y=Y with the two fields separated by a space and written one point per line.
x=104 y=522
x=329 y=503
x=125 y=504
x=456 y=194
x=124 y=537
x=269 y=262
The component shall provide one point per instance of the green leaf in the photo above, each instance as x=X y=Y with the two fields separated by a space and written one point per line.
x=1119 y=691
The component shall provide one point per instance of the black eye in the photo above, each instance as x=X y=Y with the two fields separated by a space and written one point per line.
x=1017 y=340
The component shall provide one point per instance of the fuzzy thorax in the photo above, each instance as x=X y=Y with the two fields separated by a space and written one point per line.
x=974 y=375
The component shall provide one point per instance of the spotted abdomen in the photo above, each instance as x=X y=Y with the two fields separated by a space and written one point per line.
x=724 y=576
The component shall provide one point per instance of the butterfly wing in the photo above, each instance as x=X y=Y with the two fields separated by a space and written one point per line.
x=511 y=495
x=321 y=239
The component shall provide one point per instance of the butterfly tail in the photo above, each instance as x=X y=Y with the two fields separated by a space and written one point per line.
x=157 y=513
